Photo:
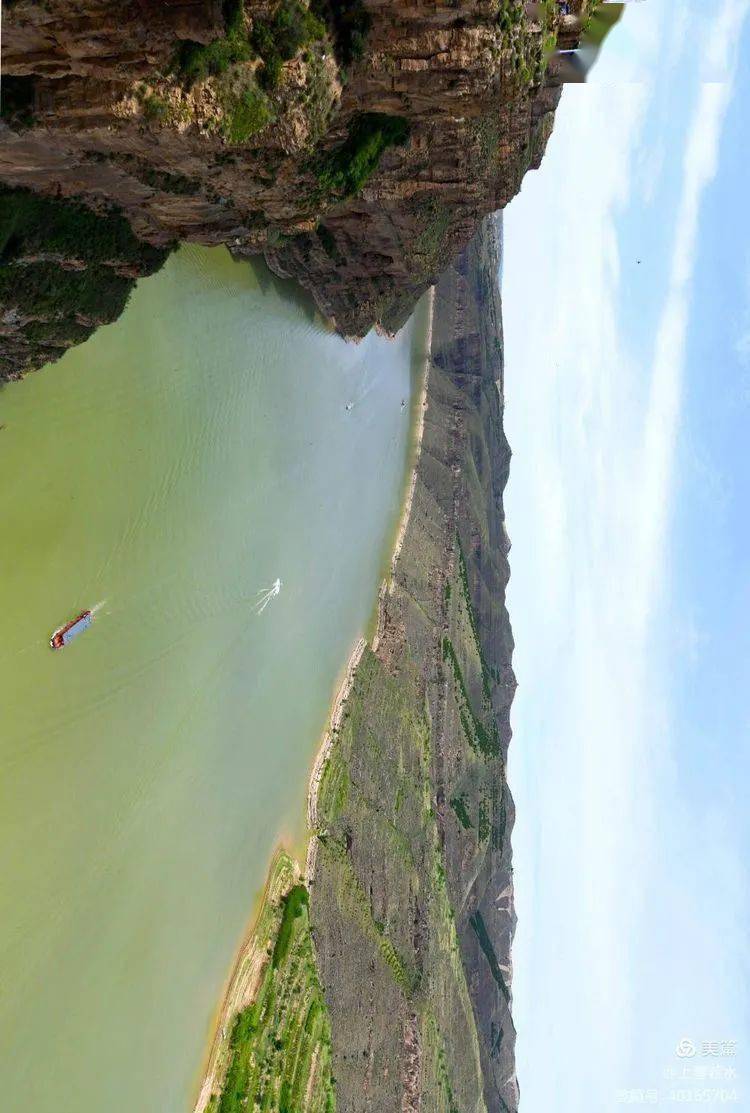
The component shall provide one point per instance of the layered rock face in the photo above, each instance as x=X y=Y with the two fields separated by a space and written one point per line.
x=359 y=160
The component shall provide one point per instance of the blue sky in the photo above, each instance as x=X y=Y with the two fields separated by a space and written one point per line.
x=627 y=324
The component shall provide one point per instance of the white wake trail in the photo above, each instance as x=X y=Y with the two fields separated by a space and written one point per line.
x=266 y=595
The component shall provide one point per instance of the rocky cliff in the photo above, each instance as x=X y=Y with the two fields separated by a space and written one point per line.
x=355 y=143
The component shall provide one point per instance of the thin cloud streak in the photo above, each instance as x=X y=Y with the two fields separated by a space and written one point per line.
x=699 y=170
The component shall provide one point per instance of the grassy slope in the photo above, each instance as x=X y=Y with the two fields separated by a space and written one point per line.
x=397 y=967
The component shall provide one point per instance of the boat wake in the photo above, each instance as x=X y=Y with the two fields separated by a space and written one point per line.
x=266 y=594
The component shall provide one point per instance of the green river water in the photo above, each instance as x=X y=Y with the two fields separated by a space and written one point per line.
x=168 y=469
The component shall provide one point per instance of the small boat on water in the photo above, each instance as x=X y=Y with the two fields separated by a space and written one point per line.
x=64 y=634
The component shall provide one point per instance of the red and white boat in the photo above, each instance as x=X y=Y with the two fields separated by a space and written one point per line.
x=64 y=634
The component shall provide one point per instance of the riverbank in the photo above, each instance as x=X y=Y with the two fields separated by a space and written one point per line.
x=420 y=410
x=323 y=754
x=335 y=721
x=408 y=806
x=253 y=959
x=420 y=407
x=273 y=1043
x=245 y=979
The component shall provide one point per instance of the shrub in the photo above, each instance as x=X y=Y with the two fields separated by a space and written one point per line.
x=278 y=39
x=434 y=223
x=345 y=170
x=31 y=224
x=458 y=803
x=197 y=61
x=271 y=73
x=154 y=108
x=295 y=902
x=350 y=23
x=274 y=40
x=246 y=111
x=328 y=243
x=56 y=333
x=17 y=101
x=46 y=290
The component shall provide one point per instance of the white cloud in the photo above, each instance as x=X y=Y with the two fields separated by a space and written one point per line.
x=699 y=169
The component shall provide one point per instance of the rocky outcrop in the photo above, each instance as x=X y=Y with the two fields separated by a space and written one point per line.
x=358 y=161
x=99 y=39
x=66 y=270
x=411 y=891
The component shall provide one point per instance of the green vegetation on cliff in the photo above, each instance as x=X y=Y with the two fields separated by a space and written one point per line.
x=477 y=922
x=277 y=40
x=529 y=51
x=434 y=218
x=274 y=40
x=344 y=171
x=247 y=109
x=350 y=23
x=31 y=224
x=17 y=101
x=63 y=270
x=47 y=290
x=197 y=61
x=483 y=739
x=458 y=803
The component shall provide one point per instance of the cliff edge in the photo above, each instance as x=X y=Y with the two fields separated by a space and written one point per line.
x=356 y=144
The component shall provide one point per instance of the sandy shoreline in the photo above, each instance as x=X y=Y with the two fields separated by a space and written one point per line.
x=321 y=758
x=243 y=982
x=335 y=721
x=342 y=695
x=248 y=967
x=419 y=431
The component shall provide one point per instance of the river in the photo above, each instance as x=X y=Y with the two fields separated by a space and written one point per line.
x=167 y=470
